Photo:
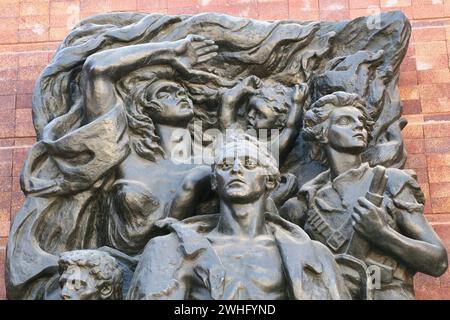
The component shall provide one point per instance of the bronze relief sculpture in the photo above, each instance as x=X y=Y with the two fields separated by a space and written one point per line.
x=160 y=142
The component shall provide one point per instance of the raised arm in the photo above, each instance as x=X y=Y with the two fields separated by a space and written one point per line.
x=231 y=99
x=103 y=69
x=290 y=133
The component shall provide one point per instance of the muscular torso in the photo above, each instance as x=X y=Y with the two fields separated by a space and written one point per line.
x=254 y=270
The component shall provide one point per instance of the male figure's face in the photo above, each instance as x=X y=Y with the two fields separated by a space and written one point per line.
x=347 y=130
x=77 y=284
x=239 y=177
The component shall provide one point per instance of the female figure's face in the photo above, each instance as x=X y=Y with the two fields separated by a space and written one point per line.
x=347 y=130
x=176 y=107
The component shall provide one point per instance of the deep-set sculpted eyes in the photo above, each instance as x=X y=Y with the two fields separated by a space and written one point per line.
x=249 y=164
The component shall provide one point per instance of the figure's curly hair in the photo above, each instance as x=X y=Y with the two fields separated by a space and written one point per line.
x=135 y=91
x=239 y=139
x=279 y=99
x=314 y=121
x=101 y=265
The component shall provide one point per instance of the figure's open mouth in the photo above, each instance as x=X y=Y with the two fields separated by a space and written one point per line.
x=359 y=135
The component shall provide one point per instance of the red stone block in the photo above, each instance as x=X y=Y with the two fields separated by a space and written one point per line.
x=411 y=107
x=9 y=8
x=333 y=5
x=415 y=161
x=408 y=64
x=334 y=15
x=395 y=3
x=363 y=4
x=439 y=174
x=428 y=11
x=431 y=48
x=95 y=6
x=440 y=190
x=431 y=91
x=438 y=160
x=437 y=145
x=24 y=142
x=414 y=146
x=434 y=76
x=413 y=131
x=311 y=5
x=9 y=60
x=422 y=175
x=438 y=104
x=244 y=10
x=33 y=29
x=34 y=8
x=304 y=10
x=151 y=6
x=9 y=30
x=5 y=184
x=35 y=58
x=56 y=34
x=2 y=274
x=423 y=281
x=273 y=10
x=181 y=3
x=6 y=129
x=24 y=123
x=410 y=52
x=6 y=161
x=6 y=143
x=17 y=199
x=437 y=130
x=30 y=73
x=408 y=78
x=7 y=102
x=183 y=10
x=440 y=205
x=409 y=92
x=432 y=62
x=19 y=156
x=25 y=86
x=64 y=7
x=426 y=2
x=426 y=34
x=23 y=101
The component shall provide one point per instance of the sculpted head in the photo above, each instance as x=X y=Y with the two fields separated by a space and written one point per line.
x=268 y=109
x=89 y=275
x=338 y=121
x=244 y=170
x=161 y=98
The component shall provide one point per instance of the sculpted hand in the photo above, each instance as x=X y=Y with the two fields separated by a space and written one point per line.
x=368 y=220
x=248 y=86
x=194 y=49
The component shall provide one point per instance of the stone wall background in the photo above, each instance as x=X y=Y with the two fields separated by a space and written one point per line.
x=31 y=30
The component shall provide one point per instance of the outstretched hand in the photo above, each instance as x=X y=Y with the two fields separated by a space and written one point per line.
x=194 y=49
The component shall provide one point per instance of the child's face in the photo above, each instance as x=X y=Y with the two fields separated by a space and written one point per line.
x=77 y=284
x=262 y=109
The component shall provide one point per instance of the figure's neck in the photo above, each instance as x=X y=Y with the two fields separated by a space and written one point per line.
x=340 y=161
x=245 y=220
x=171 y=136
